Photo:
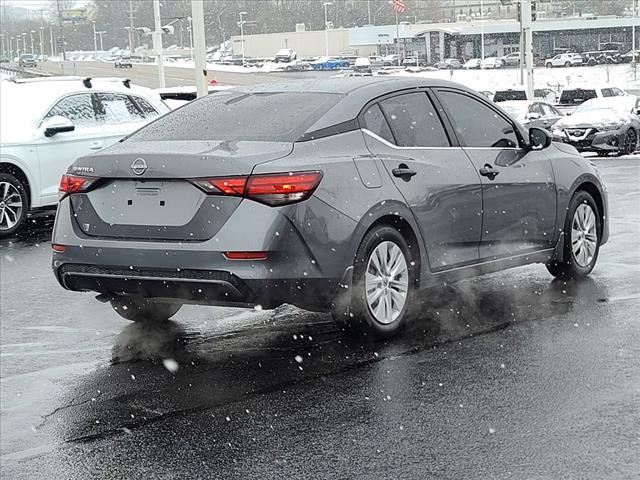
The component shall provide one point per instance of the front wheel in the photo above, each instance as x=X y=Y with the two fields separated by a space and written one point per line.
x=138 y=309
x=630 y=142
x=549 y=65
x=13 y=204
x=582 y=233
x=567 y=64
x=383 y=289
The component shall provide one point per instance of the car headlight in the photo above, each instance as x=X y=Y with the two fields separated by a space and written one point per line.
x=607 y=127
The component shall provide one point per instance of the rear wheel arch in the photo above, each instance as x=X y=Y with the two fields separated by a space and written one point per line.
x=17 y=172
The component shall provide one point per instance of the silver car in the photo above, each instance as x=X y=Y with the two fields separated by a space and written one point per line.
x=350 y=195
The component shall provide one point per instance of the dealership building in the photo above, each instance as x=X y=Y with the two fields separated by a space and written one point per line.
x=447 y=40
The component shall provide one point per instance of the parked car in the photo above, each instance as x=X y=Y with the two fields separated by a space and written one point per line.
x=214 y=214
x=449 y=63
x=510 y=60
x=286 y=55
x=27 y=60
x=123 y=62
x=518 y=92
x=571 y=97
x=296 y=65
x=362 y=65
x=602 y=125
x=376 y=61
x=391 y=60
x=47 y=123
x=532 y=114
x=4 y=59
x=608 y=53
x=564 y=60
x=490 y=62
x=472 y=64
x=328 y=63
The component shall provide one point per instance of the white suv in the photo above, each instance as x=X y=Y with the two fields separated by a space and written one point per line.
x=47 y=123
x=564 y=60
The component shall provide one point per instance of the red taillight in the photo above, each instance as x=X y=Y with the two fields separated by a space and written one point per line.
x=272 y=189
x=246 y=255
x=72 y=184
x=58 y=248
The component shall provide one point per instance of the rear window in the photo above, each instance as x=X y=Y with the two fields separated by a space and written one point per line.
x=576 y=97
x=236 y=116
x=505 y=95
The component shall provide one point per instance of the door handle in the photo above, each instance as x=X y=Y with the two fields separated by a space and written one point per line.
x=488 y=171
x=404 y=172
x=95 y=145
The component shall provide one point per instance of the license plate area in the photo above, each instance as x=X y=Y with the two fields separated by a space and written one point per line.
x=149 y=202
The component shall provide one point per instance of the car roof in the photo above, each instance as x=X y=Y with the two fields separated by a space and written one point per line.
x=608 y=102
x=53 y=87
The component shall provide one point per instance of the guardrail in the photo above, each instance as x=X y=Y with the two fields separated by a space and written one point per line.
x=18 y=72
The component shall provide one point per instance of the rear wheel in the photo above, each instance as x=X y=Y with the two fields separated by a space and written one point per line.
x=630 y=142
x=567 y=64
x=549 y=65
x=13 y=204
x=582 y=233
x=383 y=286
x=138 y=309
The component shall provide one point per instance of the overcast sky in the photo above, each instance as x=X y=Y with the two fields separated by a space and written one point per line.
x=31 y=4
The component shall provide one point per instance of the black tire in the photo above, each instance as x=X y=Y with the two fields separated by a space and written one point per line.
x=357 y=317
x=138 y=309
x=11 y=214
x=569 y=267
x=549 y=65
x=603 y=153
x=567 y=64
x=630 y=143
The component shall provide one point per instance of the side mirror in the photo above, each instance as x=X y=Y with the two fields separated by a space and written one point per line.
x=637 y=111
x=533 y=116
x=56 y=125
x=539 y=138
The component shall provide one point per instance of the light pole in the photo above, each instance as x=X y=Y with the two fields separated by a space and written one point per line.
x=101 y=33
x=326 y=29
x=95 y=39
x=481 y=32
x=52 y=45
x=157 y=42
x=31 y=32
x=41 y=30
x=24 y=42
x=190 y=29
x=241 y=23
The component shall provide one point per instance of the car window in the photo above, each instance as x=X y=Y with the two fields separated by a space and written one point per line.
x=505 y=95
x=116 y=109
x=414 y=121
x=535 y=108
x=77 y=108
x=547 y=110
x=617 y=91
x=476 y=124
x=606 y=92
x=577 y=96
x=375 y=122
x=146 y=107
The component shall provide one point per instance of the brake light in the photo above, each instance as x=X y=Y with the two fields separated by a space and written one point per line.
x=73 y=184
x=271 y=189
x=58 y=248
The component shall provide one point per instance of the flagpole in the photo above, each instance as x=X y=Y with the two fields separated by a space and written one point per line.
x=397 y=36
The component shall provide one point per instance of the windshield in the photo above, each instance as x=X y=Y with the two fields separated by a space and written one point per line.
x=503 y=95
x=236 y=116
x=516 y=110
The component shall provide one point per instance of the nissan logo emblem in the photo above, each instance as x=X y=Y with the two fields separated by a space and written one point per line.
x=139 y=166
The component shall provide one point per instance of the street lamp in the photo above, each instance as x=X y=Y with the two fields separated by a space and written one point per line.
x=41 y=29
x=326 y=29
x=190 y=30
x=31 y=35
x=95 y=39
x=101 y=33
x=241 y=24
x=52 y=45
x=24 y=42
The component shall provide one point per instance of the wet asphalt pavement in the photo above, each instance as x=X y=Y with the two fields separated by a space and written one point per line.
x=511 y=375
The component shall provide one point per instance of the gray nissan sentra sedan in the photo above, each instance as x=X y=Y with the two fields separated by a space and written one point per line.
x=345 y=195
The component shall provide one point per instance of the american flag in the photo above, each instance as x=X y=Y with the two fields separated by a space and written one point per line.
x=399 y=6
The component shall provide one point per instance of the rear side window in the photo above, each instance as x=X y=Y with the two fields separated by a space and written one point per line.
x=236 y=116
x=576 y=97
x=606 y=92
x=475 y=123
x=77 y=108
x=414 y=121
x=375 y=122
x=146 y=107
x=116 y=109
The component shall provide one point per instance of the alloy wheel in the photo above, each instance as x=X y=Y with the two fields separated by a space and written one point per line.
x=584 y=236
x=10 y=206
x=386 y=282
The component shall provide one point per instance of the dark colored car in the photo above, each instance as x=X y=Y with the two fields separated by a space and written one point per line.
x=360 y=195
x=532 y=114
x=27 y=60
x=602 y=125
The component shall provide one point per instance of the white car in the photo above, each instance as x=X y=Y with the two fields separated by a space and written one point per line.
x=576 y=95
x=47 y=123
x=490 y=62
x=472 y=64
x=564 y=60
